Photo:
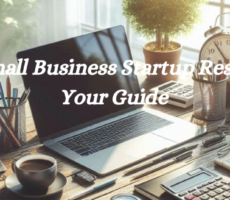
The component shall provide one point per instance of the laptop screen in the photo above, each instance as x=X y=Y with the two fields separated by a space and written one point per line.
x=46 y=99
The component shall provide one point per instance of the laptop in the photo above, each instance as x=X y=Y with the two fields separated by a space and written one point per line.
x=101 y=138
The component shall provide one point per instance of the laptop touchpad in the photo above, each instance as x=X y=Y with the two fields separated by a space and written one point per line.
x=145 y=145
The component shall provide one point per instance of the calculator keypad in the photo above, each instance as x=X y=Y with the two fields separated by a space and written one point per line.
x=179 y=89
x=218 y=189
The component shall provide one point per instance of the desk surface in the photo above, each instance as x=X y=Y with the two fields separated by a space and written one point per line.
x=123 y=184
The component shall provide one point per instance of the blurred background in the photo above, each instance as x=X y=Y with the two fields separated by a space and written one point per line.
x=28 y=23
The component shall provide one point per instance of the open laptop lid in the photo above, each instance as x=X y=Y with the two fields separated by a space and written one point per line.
x=51 y=117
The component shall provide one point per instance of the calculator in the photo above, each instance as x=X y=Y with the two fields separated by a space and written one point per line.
x=180 y=95
x=199 y=184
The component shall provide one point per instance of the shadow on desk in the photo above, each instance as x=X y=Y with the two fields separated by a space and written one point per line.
x=10 y=196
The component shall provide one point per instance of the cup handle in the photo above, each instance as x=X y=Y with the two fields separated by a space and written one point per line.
x=13 y=166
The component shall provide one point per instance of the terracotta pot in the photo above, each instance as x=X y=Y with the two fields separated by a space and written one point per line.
x=172 y=57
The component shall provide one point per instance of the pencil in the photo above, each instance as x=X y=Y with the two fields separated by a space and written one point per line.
x=3 y=96
x=6 y=125
x=8 y=89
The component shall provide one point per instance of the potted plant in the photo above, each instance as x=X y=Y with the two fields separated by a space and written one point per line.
x=163 y=19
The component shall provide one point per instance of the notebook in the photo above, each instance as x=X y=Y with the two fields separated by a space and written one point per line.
x=152 y=189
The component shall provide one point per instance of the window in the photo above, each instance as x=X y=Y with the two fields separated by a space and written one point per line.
x=100 y=14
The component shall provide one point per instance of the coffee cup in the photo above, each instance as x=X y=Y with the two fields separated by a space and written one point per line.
x=36 y=171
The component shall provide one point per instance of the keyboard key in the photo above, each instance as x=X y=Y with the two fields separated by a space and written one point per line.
x=226 y=194
x=220 y=197
x=197 y=193
x=218 y=178
x=204 y=190
x=183 y=194
x=211 y=194
x=225 y=187
x=219 y=190
x=226 y=182
x=218 y=184
x=197 y=198
x=212 y=181
x=189 y=197
x=204 y=197
x=191 y=190
x=211 y=187
x=199 y=186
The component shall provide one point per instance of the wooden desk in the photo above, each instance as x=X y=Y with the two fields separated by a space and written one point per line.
x=123 y=184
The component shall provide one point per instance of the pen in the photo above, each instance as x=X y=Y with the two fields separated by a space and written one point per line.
x=213 y=74
x=24 y=96
x=8 y=89
x=213 y=141
x=219 y=71
x=165 y=164
x=15 y=96
x=160 y=158
x=3 y=96
x=92 y=189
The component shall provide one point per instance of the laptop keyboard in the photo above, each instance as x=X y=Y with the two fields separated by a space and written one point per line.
x=114 y=133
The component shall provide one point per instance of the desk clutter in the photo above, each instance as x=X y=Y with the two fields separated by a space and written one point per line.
x=12 y=118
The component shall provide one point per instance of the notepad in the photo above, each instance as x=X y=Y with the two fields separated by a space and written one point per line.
x=2 y=167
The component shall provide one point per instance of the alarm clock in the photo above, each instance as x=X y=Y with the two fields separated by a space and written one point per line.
x=217 y=47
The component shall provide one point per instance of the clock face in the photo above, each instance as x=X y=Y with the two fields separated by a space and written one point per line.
x=216 y=49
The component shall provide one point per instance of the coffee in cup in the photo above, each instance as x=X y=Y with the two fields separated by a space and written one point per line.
x=36 y=171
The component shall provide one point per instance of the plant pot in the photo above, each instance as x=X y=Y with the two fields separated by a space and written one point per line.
x=172 y=57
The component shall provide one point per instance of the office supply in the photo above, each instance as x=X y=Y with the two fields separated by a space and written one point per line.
x=84 y=177
x=13 y=127
x=160 y=158
x=7 y=129
x=223 y=151
x=210 y=101
x=152 y=189
x=223 y=163
x=14 y=101
x=200 y=183
x=186 y=183
x=180 y=95
x=2 y=95
x=213 y=141
x=8 y=89
x=165 y=164
x=125 y=197
x=216 y=146
x=2 y=167
x=99 y=137
x=24 y=96
x=92 y=189
x=15 y=96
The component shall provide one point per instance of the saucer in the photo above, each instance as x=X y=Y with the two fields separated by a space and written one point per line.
x=14 y=186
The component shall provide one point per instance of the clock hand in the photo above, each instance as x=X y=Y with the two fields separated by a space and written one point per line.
x=226 y=60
